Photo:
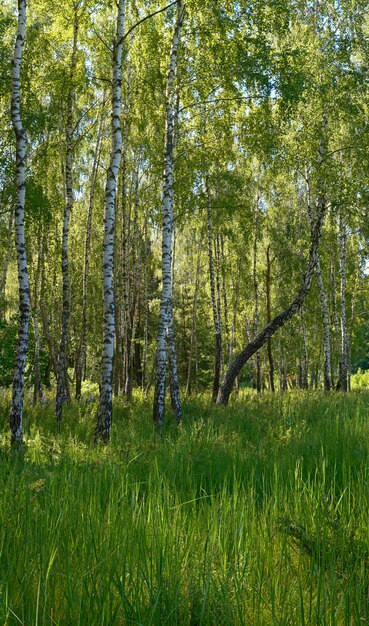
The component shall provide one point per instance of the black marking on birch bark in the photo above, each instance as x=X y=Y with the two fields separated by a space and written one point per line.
x=16 y=412
x=166 y=322
x=105 y=412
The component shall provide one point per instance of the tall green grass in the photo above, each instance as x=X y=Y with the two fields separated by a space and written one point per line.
x=256 y=514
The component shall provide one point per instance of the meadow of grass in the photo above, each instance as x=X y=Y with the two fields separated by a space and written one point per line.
x=255 y=514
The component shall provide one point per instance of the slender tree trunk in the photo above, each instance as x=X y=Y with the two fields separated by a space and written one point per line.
x=322 y=294
x=16 y=412
x=305 y=355
x=281 y=319
x=105 y=411
x=82 y=349
x=193 y=324
x=133 y=302
x=269 y=318
x=145 y=348
x=219 y=298
x=6 y=262
x=335 y=321
x=224 y=296
x=62 y=392
x=256 y=296
x=326 y=336
x=216 y=318
x=342 y=237
x=37 y=385
x=166 y=308
x=235 y=310
x=353 y=305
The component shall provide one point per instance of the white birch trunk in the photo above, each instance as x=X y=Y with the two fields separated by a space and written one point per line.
x=256 y=297
x=16 y=412
x=342 y=238
x=166 y=309
x=62 y=392
x=105 y=412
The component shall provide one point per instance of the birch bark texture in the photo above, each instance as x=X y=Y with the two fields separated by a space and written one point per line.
x=16 y=411
x=62 y=391
x=344 y=365
x=105 y=411
x=166 y=325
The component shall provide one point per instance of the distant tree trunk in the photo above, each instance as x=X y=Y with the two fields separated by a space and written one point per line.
x=305 y=355
x=269 y=318
x=216 y=318
x=342 y=238
x=353 y=305
x=82 y=349
x=219 y=298
x=145 y=348
x=6 y=262
x=235 y=310
x=193 y=324
x=16 y=412
x=256 y=296
x=335 y=321
x=224 y=297
x=37 y=385
x=62 y=391
x=326 y=336
x=134 y=291
x=322 y=294
x=281 y=319
x=166 y=329
x=105 y=411
x=43 y=310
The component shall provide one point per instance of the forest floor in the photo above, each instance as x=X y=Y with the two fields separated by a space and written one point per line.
x=254 y=514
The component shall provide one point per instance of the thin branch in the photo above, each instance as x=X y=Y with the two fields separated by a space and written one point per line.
x=130 y=30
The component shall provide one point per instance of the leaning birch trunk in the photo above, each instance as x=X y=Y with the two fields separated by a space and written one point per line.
x=82 y=350
x=342 y=238
x=62 y=391
x=281 y=319
x=16 y=412
x=105 y=411
x=166 y=327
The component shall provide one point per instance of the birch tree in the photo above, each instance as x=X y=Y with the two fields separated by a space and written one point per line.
x=16 y=412
x=105 y=411
x=342 y=239
x=62 y=392
x=166 y=324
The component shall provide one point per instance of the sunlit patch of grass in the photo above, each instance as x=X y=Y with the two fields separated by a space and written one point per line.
x=255 y=514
